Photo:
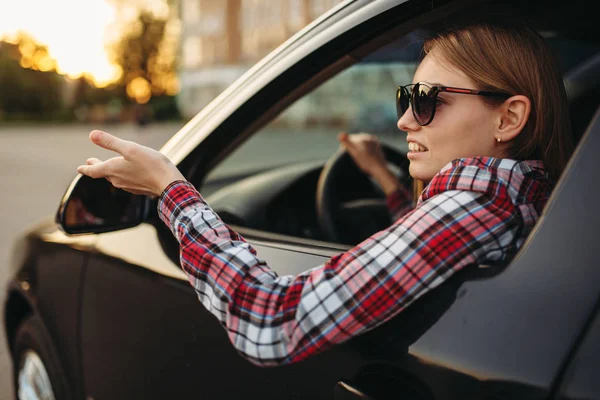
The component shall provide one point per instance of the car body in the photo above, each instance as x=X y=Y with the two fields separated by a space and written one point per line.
x=112 y=316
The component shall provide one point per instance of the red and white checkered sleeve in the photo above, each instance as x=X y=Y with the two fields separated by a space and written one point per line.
x=274 y=320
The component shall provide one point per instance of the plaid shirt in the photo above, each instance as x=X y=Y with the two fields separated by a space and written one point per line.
x=399 y=202
x=474 y=211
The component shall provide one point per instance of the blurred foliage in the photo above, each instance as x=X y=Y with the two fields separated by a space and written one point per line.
x=147 y=59
x=85 y=93
x=32 y=90
x=30 y=86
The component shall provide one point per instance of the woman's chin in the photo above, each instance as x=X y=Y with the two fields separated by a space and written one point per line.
x=418 y=172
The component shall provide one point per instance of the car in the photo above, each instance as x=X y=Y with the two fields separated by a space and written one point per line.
x=99 y=308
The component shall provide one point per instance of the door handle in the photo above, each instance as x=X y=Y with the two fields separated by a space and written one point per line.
x=344 y=391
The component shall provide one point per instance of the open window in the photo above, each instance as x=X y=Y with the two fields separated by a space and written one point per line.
x=269 y=183
x=273 y=176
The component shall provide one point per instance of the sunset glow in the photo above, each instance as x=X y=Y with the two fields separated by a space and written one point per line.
x=75 y=32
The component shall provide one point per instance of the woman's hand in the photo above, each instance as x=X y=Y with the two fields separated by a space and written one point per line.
x=368 y=155
x=139 y=170
x=365 y=150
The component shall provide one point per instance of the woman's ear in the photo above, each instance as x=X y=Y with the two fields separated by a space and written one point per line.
x=514 y=114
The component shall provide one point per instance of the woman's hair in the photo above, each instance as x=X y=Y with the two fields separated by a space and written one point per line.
x=515 y=59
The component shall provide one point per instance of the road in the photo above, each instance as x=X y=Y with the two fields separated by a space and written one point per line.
x=36 y=165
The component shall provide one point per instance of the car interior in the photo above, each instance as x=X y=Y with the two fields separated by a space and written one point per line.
x=295 y=183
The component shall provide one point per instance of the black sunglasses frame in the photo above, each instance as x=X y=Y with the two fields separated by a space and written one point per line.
x=404 y=99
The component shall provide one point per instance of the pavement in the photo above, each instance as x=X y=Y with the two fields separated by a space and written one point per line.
x=37 y=163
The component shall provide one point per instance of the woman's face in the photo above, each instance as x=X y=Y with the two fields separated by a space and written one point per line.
x=463 y=126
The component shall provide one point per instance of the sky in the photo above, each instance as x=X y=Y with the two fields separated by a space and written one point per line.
x=75 y=31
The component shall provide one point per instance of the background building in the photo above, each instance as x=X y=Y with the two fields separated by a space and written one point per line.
x=221 y=39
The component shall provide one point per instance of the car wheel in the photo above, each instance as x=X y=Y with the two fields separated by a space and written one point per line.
x=37 y=370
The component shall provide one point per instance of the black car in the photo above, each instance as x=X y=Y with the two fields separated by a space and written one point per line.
x=112 y=316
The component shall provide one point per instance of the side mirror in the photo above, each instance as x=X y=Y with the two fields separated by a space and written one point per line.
x=95 y=206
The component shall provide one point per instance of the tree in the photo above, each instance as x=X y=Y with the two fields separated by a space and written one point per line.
x=29 y=84
x=146 y=59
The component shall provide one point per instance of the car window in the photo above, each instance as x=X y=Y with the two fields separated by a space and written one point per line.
x=358 y=99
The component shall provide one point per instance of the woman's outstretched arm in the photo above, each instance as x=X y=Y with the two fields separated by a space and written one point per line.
x=274 y=320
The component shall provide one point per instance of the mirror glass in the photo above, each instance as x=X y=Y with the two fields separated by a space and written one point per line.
x=95 y=205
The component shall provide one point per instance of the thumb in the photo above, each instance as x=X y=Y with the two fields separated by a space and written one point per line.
x=344 y=140
x=109 y=142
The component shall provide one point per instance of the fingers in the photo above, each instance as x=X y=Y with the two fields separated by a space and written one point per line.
x=92 y=161
x=93 y=171
x=110 y=142
x=356 y=138
x=95 y=168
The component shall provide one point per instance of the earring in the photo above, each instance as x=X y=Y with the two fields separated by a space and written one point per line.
x=498 y=139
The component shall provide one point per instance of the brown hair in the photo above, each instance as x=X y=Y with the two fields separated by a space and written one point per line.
x=418 y=186
x=514 y=59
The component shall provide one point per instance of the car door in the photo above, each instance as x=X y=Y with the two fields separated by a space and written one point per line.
x=145 y=335
x=483 y=334
x=579 y=380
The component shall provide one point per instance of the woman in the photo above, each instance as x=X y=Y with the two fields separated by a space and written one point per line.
x=486 y=131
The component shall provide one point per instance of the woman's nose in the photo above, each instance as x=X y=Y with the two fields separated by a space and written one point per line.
x=407 y=122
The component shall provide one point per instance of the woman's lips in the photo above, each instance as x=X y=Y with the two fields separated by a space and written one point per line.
x=416 y=147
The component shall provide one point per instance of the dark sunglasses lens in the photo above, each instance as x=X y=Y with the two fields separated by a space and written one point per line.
x=402 y=101
x=424 y=98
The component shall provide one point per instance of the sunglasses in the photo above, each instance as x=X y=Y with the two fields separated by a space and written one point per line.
x=423 y=98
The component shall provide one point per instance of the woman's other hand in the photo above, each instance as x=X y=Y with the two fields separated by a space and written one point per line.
x=139 y=170
x=367 y=153
x=365 y=150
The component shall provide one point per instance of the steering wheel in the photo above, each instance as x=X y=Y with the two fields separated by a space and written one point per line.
x=344 y=218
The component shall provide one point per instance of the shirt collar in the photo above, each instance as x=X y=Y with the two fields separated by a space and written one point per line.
x=522 y=180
